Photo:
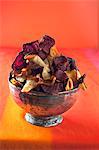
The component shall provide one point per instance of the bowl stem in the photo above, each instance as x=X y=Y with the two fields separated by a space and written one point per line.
x=43 y=121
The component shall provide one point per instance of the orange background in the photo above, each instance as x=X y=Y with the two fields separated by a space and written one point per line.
x=73 y=23
x=80 y=127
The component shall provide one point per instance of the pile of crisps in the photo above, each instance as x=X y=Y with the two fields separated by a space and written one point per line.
x=39 y=67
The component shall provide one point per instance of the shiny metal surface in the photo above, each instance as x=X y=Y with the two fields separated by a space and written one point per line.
x=41 y=105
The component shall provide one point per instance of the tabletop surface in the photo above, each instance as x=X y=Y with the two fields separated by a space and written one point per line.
x=80 y=127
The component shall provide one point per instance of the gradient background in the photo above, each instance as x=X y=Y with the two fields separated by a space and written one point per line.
x=74 y=25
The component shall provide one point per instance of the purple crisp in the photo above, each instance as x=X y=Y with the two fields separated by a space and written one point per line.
x=31 y=48
x=46 y=42
x=19 y=62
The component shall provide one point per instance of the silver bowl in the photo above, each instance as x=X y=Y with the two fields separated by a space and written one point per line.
x=43 y=109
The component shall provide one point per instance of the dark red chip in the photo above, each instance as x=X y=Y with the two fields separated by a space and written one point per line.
x=61 y=75
x=59 y=63
x=57 y=87
x=31 y=48
x=63 y=66
x=42 y=54
x=19 y=62
x=59 y=60
x=36 y=70
x=52 y=70
x=31 y=65
x=53 y=89
x=37 y=89
x=46 y=42
x=46 y=88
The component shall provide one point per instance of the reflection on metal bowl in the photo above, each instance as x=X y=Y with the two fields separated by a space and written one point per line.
x=44 y=109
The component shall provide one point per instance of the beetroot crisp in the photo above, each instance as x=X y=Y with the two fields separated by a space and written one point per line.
x=40 y=67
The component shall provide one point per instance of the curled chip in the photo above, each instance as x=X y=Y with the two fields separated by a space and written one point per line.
x=45 y=74
x=36 y=59
x=30 y=84
x=53 y=79
x=15 y=82
x=25 y=72
x=40 y=62
x=21 y=79
x=69 y=85
x=82 y=85
x=72 y=74
x=24 y=69
x=53 y=52
x=47 y=62
x=78 y=74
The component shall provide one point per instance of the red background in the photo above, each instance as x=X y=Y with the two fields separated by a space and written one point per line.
x=73 y=23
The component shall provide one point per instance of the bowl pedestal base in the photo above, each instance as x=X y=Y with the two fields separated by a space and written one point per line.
x=43 y=121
